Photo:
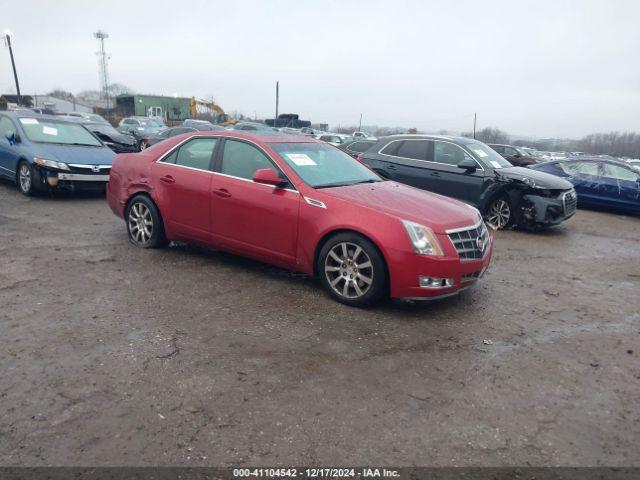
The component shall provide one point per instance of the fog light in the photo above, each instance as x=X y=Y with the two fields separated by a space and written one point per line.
x=432 y=282
x=52 y=181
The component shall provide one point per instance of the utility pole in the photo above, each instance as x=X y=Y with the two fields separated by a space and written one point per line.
x=104 y=72
x=7 y=41
x=474 y=125
x=360 y=124
x=275 y=124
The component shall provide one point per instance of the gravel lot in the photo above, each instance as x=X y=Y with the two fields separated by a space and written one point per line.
x=113 y=355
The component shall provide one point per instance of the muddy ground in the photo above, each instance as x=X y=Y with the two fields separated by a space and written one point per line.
x=113 y=355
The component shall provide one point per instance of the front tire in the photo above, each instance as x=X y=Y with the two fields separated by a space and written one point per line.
x=24 y=179
x=144 y=223
x=499 y=213
x=352 y=270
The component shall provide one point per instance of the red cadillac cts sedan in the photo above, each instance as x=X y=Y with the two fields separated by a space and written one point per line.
x=302 y=204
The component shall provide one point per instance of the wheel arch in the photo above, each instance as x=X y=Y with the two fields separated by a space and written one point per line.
x=337 y=231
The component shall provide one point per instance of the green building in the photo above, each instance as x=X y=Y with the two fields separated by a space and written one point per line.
x=169 y=108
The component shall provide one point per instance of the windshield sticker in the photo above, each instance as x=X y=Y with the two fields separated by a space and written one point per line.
x=301 y=159
x=495 y=164
x=29 y=121
x=49 y=130
x=480 y=153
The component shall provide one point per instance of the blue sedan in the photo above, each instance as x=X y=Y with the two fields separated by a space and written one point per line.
x=599 y=182
x=41 y=152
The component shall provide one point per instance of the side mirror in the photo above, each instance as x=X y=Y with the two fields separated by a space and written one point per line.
x=468 y=164
x=11 y=138
x=268 y=176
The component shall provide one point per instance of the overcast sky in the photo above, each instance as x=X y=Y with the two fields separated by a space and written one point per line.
x=542 y=68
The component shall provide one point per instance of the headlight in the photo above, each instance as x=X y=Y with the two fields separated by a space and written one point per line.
x=50 y=163
x=423 y=239
x=529 y=181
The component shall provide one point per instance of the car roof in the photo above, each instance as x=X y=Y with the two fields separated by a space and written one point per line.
x=422 y=136
x=42 y=116
x=260 y=136
x=589 y=159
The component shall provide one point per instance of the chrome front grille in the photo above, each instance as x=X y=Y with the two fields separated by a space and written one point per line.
x=569 y=202
x=471 y=243
x=89 y=169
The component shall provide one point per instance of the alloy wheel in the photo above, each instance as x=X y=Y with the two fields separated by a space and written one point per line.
x=24 y=177
x=499 y=214
x=140 y=223
x=348 y=270
x=143 y=145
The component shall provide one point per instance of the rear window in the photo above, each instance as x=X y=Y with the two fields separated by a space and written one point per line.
x=360 y=147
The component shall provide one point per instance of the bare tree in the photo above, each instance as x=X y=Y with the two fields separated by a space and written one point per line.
x=489 y=135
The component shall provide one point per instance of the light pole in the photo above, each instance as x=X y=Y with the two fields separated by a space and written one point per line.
x=7 y=41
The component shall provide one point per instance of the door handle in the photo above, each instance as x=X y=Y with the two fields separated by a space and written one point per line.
x=222 y=192
x=168 y=179
x=435 y=174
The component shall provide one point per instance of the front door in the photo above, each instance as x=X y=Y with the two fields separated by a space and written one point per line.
x=8 y=153
x=621 y=186
x=252 y=218
x=182 y=182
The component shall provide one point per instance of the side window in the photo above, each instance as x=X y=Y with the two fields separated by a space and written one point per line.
x=415 y=149
x=6 y=125
x=448 y=153
x=391 y=148
x=585 y=168
x=359 y=147
x=240 y=159
x=194 y=154
x=170 y=158
x=510 y=151
x=498 y=148
x=618 y=172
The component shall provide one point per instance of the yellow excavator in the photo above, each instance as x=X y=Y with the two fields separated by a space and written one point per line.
x=201 y=108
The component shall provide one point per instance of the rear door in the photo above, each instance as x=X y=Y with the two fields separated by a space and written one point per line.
x=182 y=181
x=406 y=161
x=252 y=218
x=585 y=177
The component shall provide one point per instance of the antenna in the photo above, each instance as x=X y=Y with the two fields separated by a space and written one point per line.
x=103 y=59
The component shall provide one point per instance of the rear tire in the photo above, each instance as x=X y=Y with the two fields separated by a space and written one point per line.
x=25 y=180
x=144 y=223
x=352 y=270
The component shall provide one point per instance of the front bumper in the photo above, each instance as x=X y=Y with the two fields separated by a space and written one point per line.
x=406 y=268
x=548 y=211
x=63 y=179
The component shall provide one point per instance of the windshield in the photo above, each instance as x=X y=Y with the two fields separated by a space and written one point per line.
x=48 y=131
x=486 y=155
x=320 y=165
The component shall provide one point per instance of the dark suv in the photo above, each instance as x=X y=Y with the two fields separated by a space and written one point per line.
x=469 y=170
x=515 y=155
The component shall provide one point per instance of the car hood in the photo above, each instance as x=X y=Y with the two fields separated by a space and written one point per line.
x=75 y=154
x=118 y=138
x=402 y=201
x=541 y=179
